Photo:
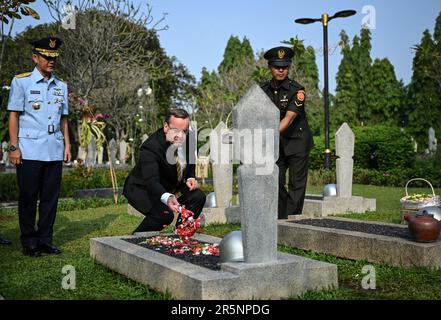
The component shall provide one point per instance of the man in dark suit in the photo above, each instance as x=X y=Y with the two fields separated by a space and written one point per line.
x=164 y=177
x=295 y=134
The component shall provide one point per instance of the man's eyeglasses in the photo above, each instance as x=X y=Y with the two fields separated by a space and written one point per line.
x=178 y=131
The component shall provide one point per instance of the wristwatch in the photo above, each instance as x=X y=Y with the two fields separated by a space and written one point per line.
x=12 y=147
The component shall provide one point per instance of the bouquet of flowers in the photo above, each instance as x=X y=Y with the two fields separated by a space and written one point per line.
x=188 y=225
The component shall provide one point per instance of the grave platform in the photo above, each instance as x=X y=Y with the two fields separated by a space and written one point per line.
x=289 y=276
x=385 y=243
x=320 y=206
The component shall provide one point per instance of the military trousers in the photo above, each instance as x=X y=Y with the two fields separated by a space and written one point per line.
x=291 y=200
x=38 y=180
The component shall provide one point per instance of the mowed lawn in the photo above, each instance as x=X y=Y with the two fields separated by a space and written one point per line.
x=41 y=278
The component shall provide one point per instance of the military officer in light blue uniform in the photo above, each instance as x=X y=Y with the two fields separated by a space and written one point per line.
x=39 y=143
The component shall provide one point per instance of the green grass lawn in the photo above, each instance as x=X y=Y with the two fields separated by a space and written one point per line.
x=23 y=277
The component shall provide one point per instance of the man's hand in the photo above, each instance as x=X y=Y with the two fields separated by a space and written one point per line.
x=15 y=157
x=173 y=204
x=67 y=154
x=192 y=184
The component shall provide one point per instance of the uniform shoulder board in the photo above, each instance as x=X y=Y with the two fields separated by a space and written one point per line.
x=23 y=75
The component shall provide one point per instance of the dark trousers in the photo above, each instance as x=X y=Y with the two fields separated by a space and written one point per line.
x=160 y=215
x=38 y=180
x=291 y=201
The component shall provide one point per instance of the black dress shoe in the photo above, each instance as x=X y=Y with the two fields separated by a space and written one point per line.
x=5 y=242
x=31 y=251
x=49 y=248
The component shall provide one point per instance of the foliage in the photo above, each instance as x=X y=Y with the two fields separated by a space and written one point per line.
x=376 y=147
x=9 y=9
x=345 y=105
x=383 y=148
x=423 y=102
x=367 y=93
x=217 y=93
x=3 y=115
x=236 y=54
x=76 y=179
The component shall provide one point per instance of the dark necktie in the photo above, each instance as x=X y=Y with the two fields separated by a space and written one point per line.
x=178 y=166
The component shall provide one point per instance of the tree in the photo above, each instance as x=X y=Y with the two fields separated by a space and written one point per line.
x=217 y=93
x=345 y=103
x=424 y=95
x=10 y=10
x=386 y=98
x=236 y=53
x=362 y=72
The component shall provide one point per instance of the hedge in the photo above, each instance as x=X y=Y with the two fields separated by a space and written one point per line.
x=78 y=178
x=378 y=147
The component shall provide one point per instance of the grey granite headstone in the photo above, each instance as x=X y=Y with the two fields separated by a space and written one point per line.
x=91 y=153
x=432 y=141
x=100 y=151
x=4 y=147
x=113 y=147
x=82 y=154
x=122 y=151
x=256 y=121
x=222 y=166
x=344 y=149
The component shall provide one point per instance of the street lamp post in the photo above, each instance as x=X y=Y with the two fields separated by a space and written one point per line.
x=325 y=20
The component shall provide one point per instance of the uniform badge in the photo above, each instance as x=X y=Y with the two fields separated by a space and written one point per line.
x=36 y=105
x=281 y=54
x=52 y=43
x=284 y=101
x=301 y=95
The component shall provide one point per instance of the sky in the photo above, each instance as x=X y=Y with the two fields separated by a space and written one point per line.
x=198 y=30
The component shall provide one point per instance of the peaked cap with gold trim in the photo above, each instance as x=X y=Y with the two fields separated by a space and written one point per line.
x=47 y=47
x=279 y=56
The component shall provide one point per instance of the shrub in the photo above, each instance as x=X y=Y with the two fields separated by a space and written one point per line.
x=376 y=147
x=78 y=178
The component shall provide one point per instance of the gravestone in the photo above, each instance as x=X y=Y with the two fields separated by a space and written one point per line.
x=100 y=152
x=82 y=153
x=122 y=151
x=265 y=273
x=344 y=202
x=344 y=150
x=432 y=141
x=256 y=146
x=91 y=153
x=4 y=147
x=113 y=148
x=222 y=168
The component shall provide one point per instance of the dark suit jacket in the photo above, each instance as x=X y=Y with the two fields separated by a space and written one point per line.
x=153 y=175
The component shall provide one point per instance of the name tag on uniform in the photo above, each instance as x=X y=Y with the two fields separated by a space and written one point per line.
x=58 y=92
x=35 y=92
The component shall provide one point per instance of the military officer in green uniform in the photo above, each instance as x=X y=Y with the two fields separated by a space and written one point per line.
x=295 y=134
x=39 y=142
